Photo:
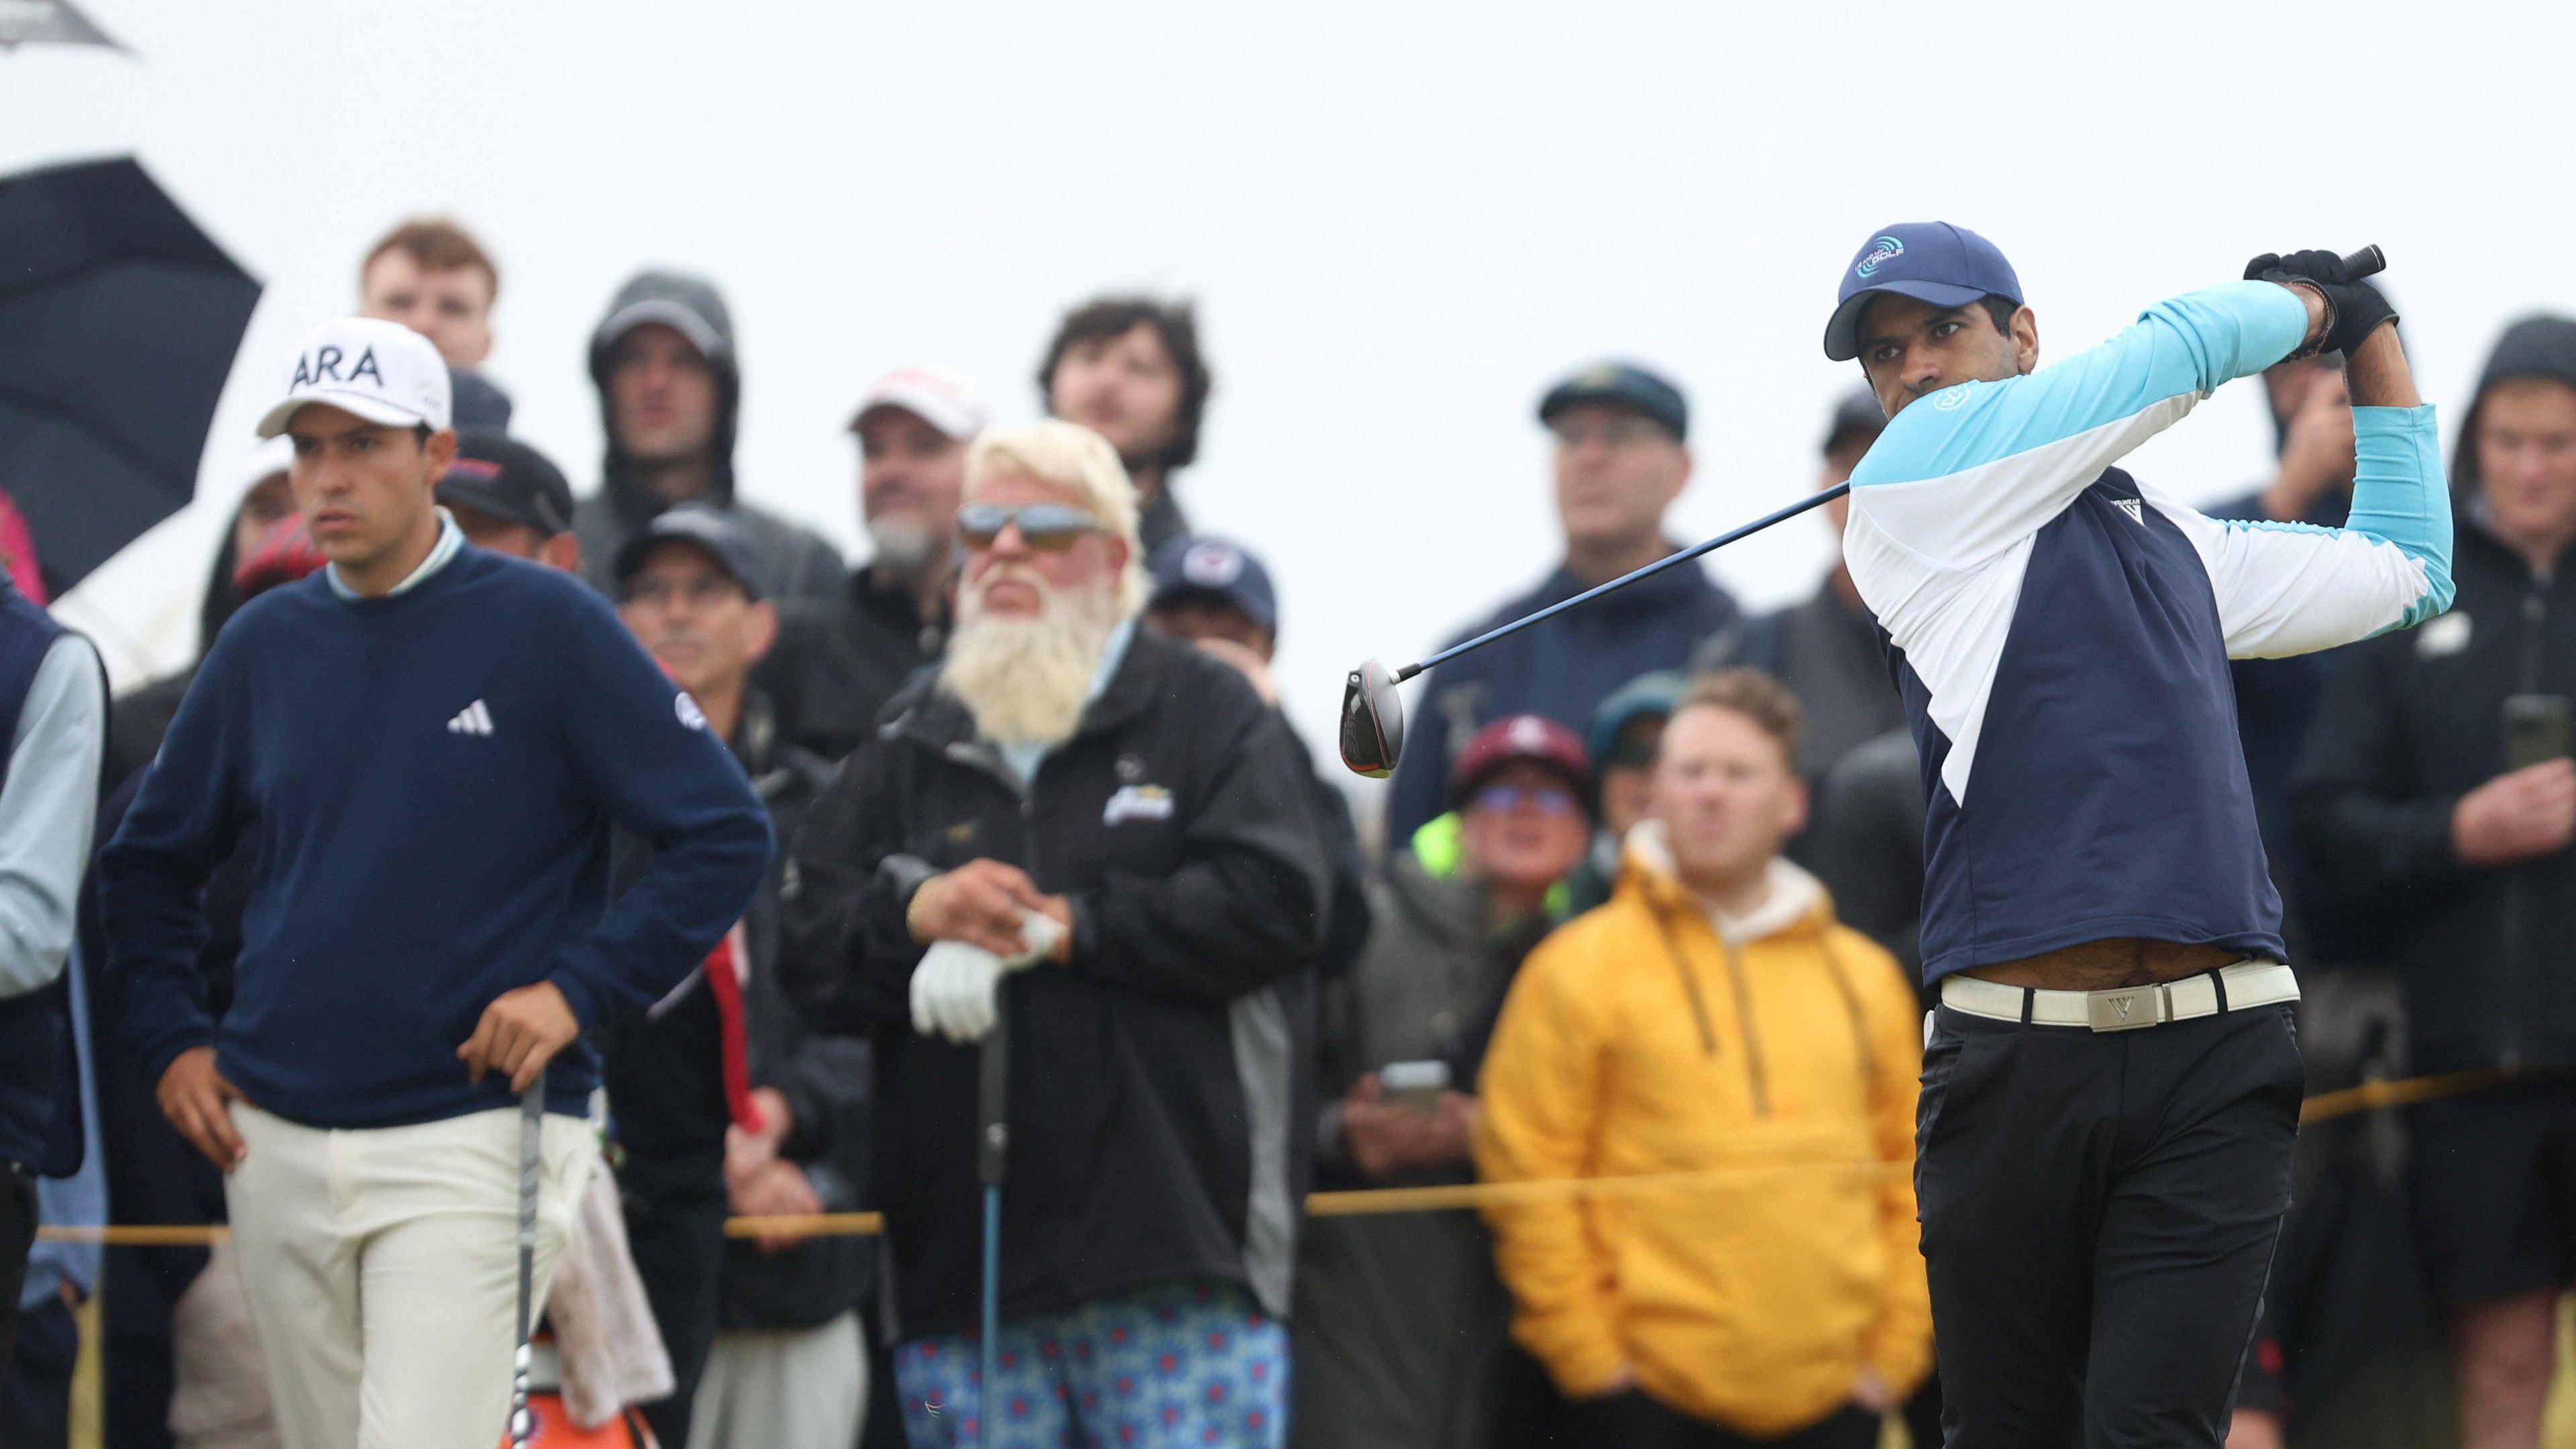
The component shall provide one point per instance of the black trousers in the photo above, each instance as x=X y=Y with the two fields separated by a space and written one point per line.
x=1631 y=1420
x=2099 y=1212
x=17 y=1235
x=675 y=1232
x=37 y=1412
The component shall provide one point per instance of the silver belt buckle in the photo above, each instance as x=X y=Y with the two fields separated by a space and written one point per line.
x=2125 y=1009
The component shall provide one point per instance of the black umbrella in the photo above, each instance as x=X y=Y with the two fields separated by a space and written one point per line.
x=118 y=324
x=48 y=20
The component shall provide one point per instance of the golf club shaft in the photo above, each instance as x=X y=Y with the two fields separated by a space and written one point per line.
x=532 y=1123
x=2364 y=263
x=1624 y=580
x=992 y=1153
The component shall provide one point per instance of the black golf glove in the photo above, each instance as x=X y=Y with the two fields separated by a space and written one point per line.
x=2355 y=308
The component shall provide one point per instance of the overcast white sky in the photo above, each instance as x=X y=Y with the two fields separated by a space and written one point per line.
x=1400 y=222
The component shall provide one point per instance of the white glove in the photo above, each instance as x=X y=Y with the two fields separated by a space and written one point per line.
x=952 y=991
x=956 y=985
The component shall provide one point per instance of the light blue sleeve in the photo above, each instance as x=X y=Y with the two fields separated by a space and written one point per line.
x=2400 y=496
x=1971 y=470
x=2293 y=588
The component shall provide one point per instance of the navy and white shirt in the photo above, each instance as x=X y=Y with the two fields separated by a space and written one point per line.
x=2061 y=633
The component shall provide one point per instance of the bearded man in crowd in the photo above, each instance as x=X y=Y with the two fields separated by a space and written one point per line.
x=1102 y=839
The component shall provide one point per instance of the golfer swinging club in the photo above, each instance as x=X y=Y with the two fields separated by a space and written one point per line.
x=2111 y=1084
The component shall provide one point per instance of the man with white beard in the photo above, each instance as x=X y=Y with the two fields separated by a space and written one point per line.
x=1135 y=796
x=837 y=661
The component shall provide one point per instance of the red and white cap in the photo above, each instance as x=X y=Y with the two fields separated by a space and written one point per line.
x=933 y=394
x=381 y=371
x=1520 y=739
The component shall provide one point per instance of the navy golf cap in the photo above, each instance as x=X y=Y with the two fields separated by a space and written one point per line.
x=497 y=474
x=1622 y=385
x=711 y=528
x=1217 y=569
x=1930 y=261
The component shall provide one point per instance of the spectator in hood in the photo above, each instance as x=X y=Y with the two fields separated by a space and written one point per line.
x=423 y=944
x=1714 y=1016
x=143 y=713
x=779 y=1110
x=432 y=276
x=838 y=660
x=670 y=395
x=1129 y=369
x=1621 y=461
x=1105 y=836
x=1621 y=743
x=1401 y=1324
x=1826 y=649
x=2436 y=794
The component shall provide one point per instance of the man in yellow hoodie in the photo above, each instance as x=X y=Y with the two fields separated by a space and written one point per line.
x=1713 y=1032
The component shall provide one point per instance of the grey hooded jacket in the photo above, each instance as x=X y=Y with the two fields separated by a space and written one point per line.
x=794 y=561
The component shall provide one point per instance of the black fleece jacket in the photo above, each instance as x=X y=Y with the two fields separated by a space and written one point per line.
x=1178 y=820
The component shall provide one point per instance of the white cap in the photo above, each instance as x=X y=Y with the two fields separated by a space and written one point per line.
x=381 y=371
x=933 y=394
x=268 y=460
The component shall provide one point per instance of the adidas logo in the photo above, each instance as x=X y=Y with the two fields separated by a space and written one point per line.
x=474 y=719
x=2136 y=510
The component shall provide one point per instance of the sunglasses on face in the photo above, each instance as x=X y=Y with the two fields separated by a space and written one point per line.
x=1545 y=799
x=1048 y=527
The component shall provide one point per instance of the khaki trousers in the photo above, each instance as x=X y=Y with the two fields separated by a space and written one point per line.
x=382 y=1271
x=788 y=1388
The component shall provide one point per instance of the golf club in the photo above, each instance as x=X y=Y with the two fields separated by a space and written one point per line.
x=1373 y=713
x=992 y=1147
x=532 y=1122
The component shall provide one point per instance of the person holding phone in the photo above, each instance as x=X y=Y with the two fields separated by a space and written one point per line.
x=2436 y=796
x=1400 y=1321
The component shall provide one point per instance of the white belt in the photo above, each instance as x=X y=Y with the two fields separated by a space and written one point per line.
x=2126 y=1008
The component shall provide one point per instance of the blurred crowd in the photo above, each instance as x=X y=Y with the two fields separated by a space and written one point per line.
x=1639 y=915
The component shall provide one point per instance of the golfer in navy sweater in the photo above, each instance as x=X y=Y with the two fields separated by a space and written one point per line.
x=436 y=739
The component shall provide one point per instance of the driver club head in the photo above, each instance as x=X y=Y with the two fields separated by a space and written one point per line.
x=1372 y=721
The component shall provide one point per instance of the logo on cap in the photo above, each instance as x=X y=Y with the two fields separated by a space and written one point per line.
x=1211 y=565
x=324 y=366
x=1882 y=250
x=1528 y=733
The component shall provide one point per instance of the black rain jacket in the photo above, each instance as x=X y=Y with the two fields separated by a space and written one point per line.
x=2409 y=722
x=1151 y=1126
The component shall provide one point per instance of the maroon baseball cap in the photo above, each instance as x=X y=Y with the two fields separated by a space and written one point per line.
x=1515 y=739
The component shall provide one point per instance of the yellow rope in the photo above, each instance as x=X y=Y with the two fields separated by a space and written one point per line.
x=2324 y=1107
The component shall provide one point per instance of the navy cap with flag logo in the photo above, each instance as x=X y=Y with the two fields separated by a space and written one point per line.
x=708 y=527
x=1930 y=261
x=1621 y=385
x=1218 y=569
